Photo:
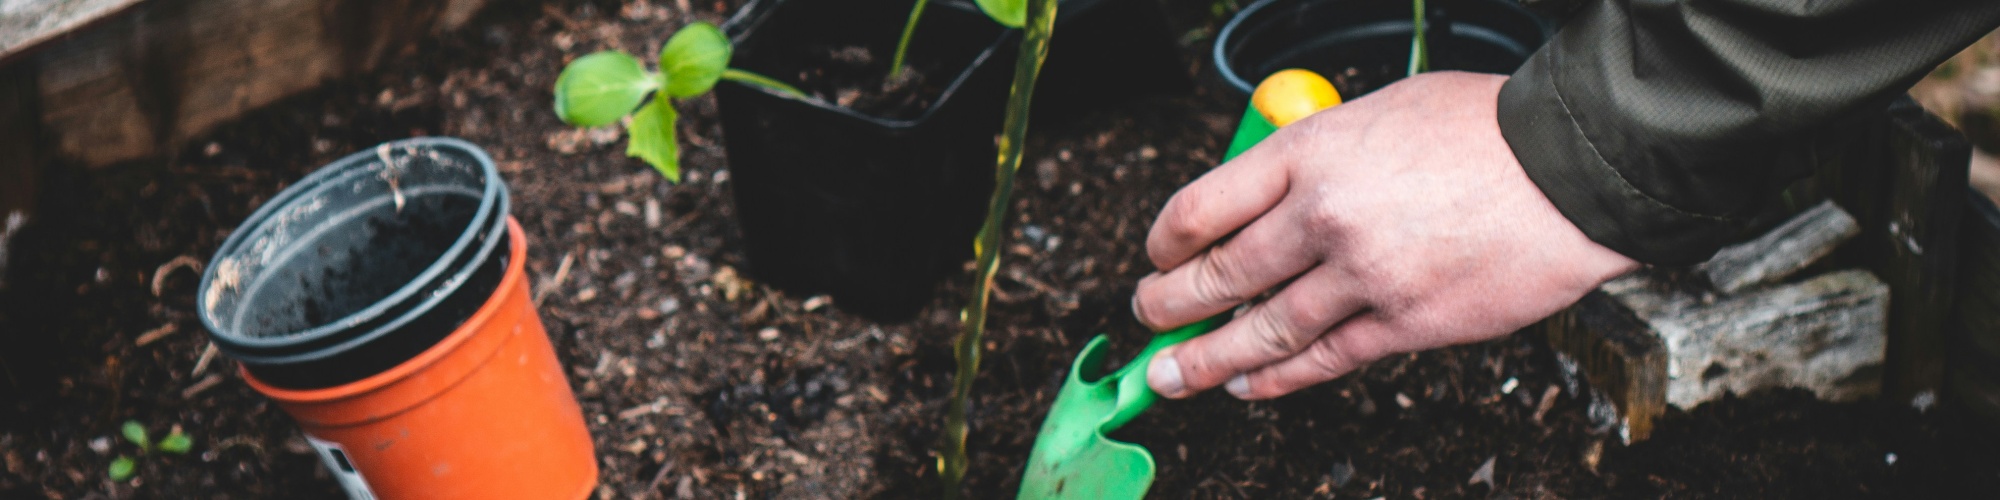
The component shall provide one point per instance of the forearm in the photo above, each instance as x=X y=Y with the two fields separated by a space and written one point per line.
x=1654 y=125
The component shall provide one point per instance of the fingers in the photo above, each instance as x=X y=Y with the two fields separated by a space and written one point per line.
x=1215 y=205
x=1348 y=347
x=1272 y=331
x=1263 y=255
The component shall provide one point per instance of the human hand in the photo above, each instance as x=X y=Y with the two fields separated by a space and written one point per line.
x=1394 y=223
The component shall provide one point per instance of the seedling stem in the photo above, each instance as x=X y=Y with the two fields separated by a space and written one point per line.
x=1040 y=25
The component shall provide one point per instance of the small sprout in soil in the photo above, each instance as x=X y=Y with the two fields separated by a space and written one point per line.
x=121 y=468
x=136 y=434
x=599 y=88
x=175 y=442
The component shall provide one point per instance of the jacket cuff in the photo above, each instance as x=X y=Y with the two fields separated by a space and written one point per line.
x=1550 y=136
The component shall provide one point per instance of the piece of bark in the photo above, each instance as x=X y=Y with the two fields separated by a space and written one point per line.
x=26 y=23
x=141 y=83
x=1785 y=250
x=1826 y=334
x=1619 y=354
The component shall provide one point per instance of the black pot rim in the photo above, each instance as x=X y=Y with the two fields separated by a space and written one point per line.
x=439 y=279
x=1221 y=59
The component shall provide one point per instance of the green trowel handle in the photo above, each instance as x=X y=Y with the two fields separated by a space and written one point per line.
x=1252 y=130
x=1134 y=395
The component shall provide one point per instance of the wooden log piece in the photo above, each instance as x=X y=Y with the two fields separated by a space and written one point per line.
x=1777 y=254
x=1826 y=334
x=142 y=83
x=1619 y=354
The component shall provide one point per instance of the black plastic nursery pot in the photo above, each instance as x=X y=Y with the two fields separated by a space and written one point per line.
x=360 y=265
x=874 y=208
x=1363 y=45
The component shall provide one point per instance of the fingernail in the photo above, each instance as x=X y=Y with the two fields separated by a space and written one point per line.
x=1165 y=377
x=1239 y=386
x=1136 y=313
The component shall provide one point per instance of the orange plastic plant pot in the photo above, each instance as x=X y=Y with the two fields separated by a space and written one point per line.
x=485 y=414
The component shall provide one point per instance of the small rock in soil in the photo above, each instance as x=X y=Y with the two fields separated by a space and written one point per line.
x=816 y=302
x=1484 y=474
x=1924 y=401
x=1341 y=473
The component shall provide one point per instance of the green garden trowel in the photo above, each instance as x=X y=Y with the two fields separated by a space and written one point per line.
x=1073 y=456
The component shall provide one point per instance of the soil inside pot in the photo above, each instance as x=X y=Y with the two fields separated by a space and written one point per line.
x=856 y=78
x=846 y=63
x=356 y=265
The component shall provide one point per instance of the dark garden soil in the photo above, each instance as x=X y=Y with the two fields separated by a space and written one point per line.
x=857 y=78
x=698 y=383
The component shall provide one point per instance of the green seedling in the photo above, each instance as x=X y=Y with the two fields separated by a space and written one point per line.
x=1040 y=25
x=1420 y=52
x=1009 y=13
x=175 y=442
x=602 y=87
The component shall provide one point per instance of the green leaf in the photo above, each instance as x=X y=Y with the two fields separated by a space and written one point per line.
x=136 y=434
x=694 y=59
x=121 y=468
x=1012 y=13
x=653 y=139
x=176 y=443
x=598 y=88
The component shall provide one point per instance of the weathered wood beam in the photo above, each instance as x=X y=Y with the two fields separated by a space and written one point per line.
x=1902 y=174
x=1777 y=254
x=141 y=83
x=26 y=23
x=1825 y=334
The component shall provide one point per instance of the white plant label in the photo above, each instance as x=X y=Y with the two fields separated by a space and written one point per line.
x=342 y=465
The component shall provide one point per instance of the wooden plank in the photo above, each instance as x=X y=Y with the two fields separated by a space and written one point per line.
x=1776 y=255
x=1902 y=174
x=142 y=83
x=27 y=23
x=1926 y=208
x=17 y=170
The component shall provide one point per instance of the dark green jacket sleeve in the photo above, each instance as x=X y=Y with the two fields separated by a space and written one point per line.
x=1654 y=125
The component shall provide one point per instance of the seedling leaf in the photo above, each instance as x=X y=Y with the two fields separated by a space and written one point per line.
x=599 y=88
x=121 y=468
x=176 y=443
x=1012 y=13
x=136 y=434
x=653 y=139
x=694 y=59
x=756 y=80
